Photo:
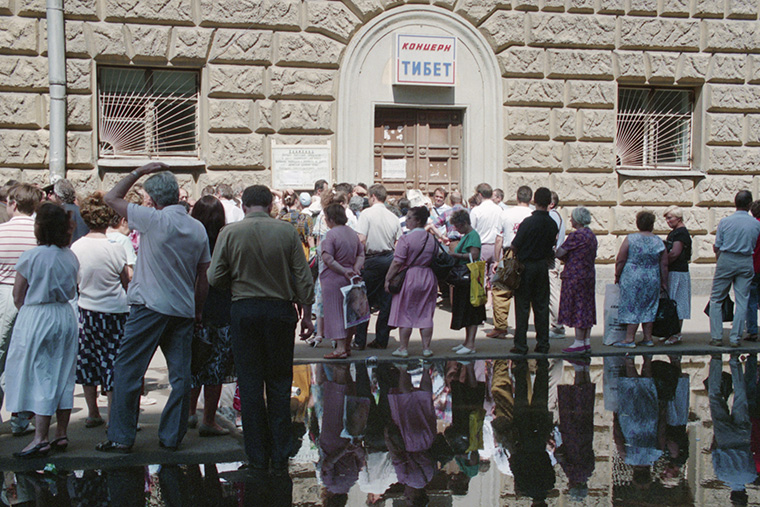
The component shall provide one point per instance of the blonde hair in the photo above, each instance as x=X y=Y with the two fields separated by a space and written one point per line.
x=675 y=211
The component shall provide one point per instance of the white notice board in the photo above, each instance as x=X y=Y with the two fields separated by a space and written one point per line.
x=300 y=165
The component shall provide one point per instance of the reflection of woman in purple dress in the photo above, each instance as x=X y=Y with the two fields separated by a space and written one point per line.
x=413 y=307
x=576 y=425
x=340 y=458
x=342 y=259
x=577 y=307
x=410 y=437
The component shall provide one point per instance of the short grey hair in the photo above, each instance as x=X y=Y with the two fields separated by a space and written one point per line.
x=163 y=188
x=675 y=211
x=582 y=216
x=65 y=191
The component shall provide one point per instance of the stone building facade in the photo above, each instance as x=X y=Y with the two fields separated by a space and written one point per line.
x=536 y=96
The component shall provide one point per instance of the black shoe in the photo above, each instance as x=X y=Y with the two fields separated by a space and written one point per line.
x=515 y=350
x=38 y=451
x=375 y=345
x=751 y=338
x=167 y=447
x=541 y=350
x=356 y=346
x=114 y=447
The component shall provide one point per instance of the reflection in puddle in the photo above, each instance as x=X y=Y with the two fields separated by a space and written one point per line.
x=644 y=430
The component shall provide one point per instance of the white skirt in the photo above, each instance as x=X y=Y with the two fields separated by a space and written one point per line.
x=679 y=289
x=40 y=370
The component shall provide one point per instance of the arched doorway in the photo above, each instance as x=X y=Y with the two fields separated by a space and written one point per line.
x=368 y=100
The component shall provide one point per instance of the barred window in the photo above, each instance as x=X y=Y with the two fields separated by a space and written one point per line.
x=654 y=128
x=147 y=112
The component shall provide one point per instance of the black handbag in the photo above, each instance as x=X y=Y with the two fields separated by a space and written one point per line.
x=726 y=309
x=201 y=350
x=442 y=263
x=397 y=281
x=459 y=276
x=666 y=323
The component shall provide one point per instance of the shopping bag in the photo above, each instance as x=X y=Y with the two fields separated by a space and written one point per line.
x=477 y=283
x=355 y=303
x=726 y=309
x=355 y=416
x=614 y=331
x=666 y=323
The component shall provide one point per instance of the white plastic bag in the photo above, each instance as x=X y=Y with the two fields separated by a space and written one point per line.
x=614 y=331
x=356 y=307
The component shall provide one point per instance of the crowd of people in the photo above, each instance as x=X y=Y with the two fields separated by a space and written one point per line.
x=90 y=287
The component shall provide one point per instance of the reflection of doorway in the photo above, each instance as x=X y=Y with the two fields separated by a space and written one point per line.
x=417 y=149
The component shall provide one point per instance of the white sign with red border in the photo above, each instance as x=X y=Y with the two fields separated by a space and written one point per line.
x=425 y=60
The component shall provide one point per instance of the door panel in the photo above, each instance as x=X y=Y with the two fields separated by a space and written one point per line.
x=417 y=149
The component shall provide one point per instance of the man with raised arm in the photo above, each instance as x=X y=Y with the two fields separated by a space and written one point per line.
x=166 y=298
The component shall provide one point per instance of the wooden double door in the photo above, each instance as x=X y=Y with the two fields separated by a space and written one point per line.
x=417 y=149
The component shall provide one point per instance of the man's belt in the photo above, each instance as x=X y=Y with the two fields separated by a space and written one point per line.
x=378 y=254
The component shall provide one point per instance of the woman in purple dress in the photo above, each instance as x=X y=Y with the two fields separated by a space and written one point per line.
x=577 y=306
x=342 y=260
x=413 y=307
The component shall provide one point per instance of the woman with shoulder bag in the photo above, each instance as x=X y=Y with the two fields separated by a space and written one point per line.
x=463 y=314
x=414 y=305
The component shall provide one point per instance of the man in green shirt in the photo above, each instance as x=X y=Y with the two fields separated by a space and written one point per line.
x=261 y=260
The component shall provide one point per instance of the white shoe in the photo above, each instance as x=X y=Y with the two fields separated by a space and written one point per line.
x=455 y=348
x=427 y=353
x=554 y=335
x=465 y=351
x=400 y=353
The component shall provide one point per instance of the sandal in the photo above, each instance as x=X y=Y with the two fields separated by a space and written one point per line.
x=38 y=451
x=673 y=340
x=59 y=444
x=336 y=355
x=93 y=422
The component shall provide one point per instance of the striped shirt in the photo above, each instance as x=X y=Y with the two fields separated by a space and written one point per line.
x=16 y=237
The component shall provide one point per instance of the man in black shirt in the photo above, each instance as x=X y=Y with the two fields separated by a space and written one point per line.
x=534 y=247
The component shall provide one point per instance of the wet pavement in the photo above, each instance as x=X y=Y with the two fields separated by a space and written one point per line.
x=649 y=426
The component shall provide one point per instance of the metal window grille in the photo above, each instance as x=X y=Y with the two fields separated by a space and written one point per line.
x=654 y=128
x=147 y=112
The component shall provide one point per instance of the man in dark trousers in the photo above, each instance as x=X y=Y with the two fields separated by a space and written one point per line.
x=534 y=246
x=261 y=260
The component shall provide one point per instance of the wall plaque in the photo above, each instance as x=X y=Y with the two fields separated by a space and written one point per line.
x=298 y=166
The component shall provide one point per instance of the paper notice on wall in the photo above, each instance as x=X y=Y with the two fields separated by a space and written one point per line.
x=298 y=166
x=394 y=168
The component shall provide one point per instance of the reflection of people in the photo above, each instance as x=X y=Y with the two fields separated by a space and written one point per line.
x=731 y=454
x=576 y=425
x=341 y=458
x=533 y=425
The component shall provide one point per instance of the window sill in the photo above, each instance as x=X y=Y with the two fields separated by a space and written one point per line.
x=660 y=173
x=131 y=163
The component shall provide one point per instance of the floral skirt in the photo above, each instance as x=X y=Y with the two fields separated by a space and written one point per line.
x=219 y=368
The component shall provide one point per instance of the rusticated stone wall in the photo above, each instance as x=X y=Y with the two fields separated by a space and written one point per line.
x=270 y=70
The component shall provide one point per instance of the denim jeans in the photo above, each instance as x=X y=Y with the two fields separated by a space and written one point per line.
x=144 y=332
x=752 y=307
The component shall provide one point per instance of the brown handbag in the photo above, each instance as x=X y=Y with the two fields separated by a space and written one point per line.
x=507 y=276
x=397 y=281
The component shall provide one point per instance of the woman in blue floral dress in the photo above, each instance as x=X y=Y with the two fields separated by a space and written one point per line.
x=641 y=269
